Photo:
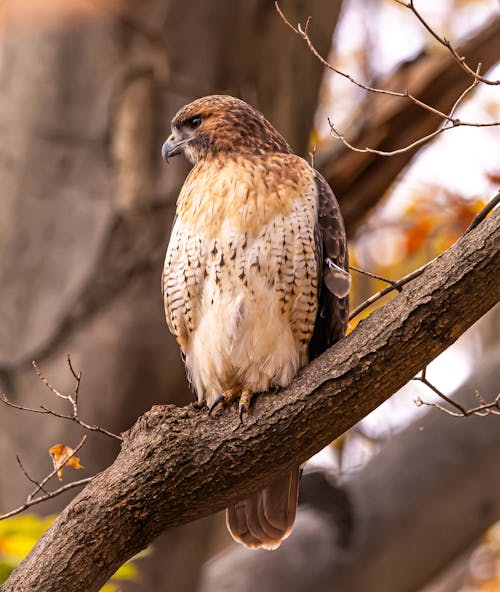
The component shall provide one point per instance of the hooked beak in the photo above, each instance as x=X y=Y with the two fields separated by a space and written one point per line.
x=171 y=147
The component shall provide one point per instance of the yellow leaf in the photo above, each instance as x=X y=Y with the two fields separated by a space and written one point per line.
x=128 y=571
x=61 y=457
x=17 y=545
x=109 y=588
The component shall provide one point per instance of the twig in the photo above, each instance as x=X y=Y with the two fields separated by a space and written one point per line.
x=398 y=285
x=394 y=286
x=44 y=498
x=77 y=377
x=418 y=142
x=32 y=500
x=462 y=96
x=376 y=277
x=445 y=42
x=478 y=218
x=48 y=385
x=450 y=123
x=28 y=476
x=303 y=33
x=492 y=408
x=71 y=399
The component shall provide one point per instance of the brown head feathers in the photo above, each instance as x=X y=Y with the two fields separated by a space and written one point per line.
x=223 y=124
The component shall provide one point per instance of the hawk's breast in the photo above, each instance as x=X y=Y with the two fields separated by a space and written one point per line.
x=240 y=281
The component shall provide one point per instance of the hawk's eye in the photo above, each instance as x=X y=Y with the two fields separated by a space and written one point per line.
x=194 y=122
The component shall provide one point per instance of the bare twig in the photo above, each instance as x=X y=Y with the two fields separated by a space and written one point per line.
x=478 y=218
x=303 y=32
x=445 y=42
x=418 y=142
x=32 y=498
x=376 y=277
x=44 y=498
x=48 y=385
x=450 y=122
x=28 y=476
x=394 y=286
x=484 y=409
x=71 y=399
x=398 y=285
x=77 y=377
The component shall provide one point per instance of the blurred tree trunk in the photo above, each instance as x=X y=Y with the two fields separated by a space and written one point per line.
x=86 y=203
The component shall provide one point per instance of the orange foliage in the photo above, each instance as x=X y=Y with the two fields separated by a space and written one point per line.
x=437 y=215
x=392 y=246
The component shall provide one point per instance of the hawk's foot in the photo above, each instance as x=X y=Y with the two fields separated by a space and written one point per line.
x=245 y=400
x=229 y=396
x=225 y=399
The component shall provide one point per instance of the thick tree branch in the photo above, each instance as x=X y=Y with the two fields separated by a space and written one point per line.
x=178 y=464
x=443 y=495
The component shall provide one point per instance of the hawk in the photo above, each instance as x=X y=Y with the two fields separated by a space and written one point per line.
x=255 y=282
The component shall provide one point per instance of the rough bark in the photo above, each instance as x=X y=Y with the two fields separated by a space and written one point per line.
x=389 y=123
x=179 y=464
x=428 y=494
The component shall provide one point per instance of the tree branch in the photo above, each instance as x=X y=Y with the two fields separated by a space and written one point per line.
x=483 y=409
x=445 y=42
x=71 y=399
x=178 y=464
x=33 y=498
x=361 y=179
x=440 y=471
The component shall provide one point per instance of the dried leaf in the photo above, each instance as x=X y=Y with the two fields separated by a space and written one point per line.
x=61 y=457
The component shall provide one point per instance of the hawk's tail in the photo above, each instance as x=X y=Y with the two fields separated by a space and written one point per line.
x=266 y=518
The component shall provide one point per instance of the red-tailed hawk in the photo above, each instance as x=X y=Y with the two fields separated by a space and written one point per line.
x=255 y=282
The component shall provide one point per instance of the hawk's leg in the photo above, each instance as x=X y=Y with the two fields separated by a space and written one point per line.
x=245 y=400
x=225 y=399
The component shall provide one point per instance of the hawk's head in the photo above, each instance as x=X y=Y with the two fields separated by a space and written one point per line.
x=221 y=124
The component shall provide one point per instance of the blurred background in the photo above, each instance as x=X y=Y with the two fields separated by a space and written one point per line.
x=405 y=501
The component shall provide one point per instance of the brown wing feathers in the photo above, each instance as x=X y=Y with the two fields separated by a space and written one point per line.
x=331 y=243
